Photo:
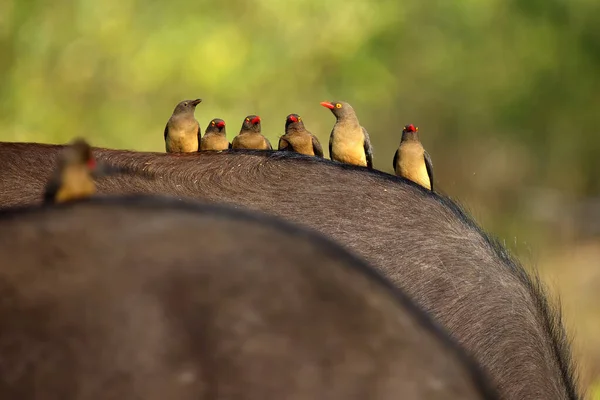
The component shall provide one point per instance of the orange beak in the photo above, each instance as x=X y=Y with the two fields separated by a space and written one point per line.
x=328 y=105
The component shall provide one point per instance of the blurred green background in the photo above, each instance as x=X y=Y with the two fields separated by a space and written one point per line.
x=506 y=94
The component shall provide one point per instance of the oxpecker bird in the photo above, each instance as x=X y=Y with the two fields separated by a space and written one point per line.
x=250 y=136
x=182 y=130
x=411 y=161
x=73 y=178
x=298 y=139
x=215 y=136
x=349 y=142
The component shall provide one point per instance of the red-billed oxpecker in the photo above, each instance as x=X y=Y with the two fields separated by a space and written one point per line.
x=349 y=142
x=411 y=161
x=215 y=136
x=182 y=132
x=298 y=139
x=250 y=136
x=73 y=178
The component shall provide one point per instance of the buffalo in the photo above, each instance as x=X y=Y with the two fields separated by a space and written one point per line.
x=422 y=241
x=147 y=298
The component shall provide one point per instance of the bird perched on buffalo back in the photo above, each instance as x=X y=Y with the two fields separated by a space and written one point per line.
x=250 y=136
x=411 y=161
x=215 y=136
x=298 y=139
x=182 y=130
x=73 y=177
x=349 y=142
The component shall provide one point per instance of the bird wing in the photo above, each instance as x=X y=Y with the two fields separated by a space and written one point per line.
x=52 y=186
x=269 y=147
x=331 y=144
x=199 y=134
x=429 y=167
x=368 y=149
x=50 y=190
x=317 y=149
x=396 y=155
x=283 y=144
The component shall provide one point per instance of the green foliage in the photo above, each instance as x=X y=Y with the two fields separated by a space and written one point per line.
x=519 y=74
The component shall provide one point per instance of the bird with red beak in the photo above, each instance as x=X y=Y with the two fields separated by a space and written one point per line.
x=349 y=142
x=298 y=139
x=74 y=176
x=250 y=136
x=411 y=161
x=182 y=130
x=215 y=137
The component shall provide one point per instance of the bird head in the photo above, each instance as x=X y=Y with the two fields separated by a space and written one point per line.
x=293 y=120
x=216 y=125
x=409 y=132
x=251 y=123
x=79 y=152
x=410 y=128
x=339 y=108
x=186 y=106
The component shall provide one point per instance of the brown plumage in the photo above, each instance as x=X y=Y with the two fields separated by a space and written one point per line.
x=411 y=161
x=250 y=136
x=182 y=130
x=215 y=137
x=298 y=139
x=349 y=142
x=73 y=178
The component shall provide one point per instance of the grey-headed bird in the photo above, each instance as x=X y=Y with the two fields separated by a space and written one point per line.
x=73 y=178
x=182 y=129
x=215 y=136
x=250 y=136
x=298 y=139
x=411 y=161
x=349 y=142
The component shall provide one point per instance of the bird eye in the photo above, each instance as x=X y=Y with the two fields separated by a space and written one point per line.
x=247 y=119
x=299 y=119
x=185 y=104
x=338 y=105
x=213 y=123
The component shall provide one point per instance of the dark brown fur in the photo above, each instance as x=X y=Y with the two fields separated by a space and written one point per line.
x=420 y=240
x=139 y=298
